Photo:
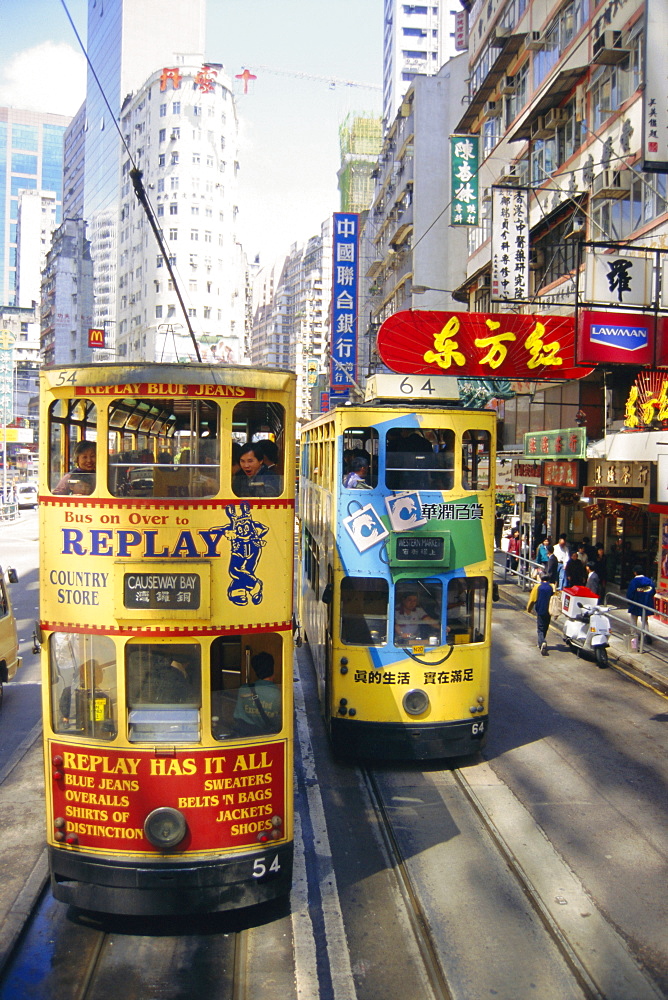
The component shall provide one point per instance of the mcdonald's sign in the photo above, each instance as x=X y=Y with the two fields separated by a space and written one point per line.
x=95 y=337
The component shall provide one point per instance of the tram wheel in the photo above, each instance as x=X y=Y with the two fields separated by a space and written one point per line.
x=602 y=657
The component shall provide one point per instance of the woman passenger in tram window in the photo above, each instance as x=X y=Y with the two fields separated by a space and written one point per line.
x=255 y=479
x=81 y=481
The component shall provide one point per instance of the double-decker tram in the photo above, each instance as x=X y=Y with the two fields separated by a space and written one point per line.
x=166 y=548
x=397 y=513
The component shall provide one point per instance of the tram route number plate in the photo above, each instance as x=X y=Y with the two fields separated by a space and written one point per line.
x=179 y=591
x=421 y=547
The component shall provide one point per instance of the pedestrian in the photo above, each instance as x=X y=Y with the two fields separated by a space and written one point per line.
x=640 y=593
x=514 y=550
x=601 y=566
x=574 y=573
x=582 y=553
x=540 y=600
x=589 y=548
x=541 y=553
x=552 y=566
x=562 y=552
x=593 y=581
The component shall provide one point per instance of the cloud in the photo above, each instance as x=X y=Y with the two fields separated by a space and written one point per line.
x=50 y=77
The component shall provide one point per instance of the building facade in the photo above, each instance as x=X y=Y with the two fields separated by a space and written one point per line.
x=67 y=297
x=31 y=159
x=416 y=42
x=291 y=315
x=181 y=130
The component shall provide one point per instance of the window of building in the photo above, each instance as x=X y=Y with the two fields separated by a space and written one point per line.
x=174 y=183
x=173 y=208
x=160 y=210
x=173 y=234
x=161 y=159
x=196 y=158
x=163 y=110
x=176 y=108
x=194 y=235
x=158 y=312
x=161 y=184
x=174 y=158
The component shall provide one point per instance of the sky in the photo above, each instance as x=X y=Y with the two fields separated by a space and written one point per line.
x=289 y=119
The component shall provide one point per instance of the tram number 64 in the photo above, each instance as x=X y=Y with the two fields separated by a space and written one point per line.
x=477 y=729
x=408 y=388
x=260 y=867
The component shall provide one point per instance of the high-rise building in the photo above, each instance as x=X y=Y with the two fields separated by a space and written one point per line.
x=31 y=159
x=180 y=128
x=290 y=317
x=416 y=42
x=127 y=41
x=361 y=138
x=67 y=296
x=36 y=223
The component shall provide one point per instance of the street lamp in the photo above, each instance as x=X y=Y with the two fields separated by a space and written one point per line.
x=421 y=289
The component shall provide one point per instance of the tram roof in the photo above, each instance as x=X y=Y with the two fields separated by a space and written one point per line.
x=271 y=379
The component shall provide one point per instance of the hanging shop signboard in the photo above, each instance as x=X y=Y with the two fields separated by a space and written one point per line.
x=647 y=402
x=464 y=162
x=655 y=90
x=510 y=244
x=615 y=279
x=480 y=345
x=560 y=474
x=569 y=443
x=344 y=302
x=625 y=338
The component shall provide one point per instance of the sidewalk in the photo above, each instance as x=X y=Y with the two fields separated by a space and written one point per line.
x=649 y=667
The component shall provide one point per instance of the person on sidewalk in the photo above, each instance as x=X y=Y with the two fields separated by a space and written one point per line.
x=540 y=600
x=641 y=592
x=593 y=581
x=514 y=550
x=552 y=566
x=575 y=573
x=562 y=552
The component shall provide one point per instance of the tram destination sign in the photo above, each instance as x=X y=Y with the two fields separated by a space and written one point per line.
x=178 y=591
x=422 y=548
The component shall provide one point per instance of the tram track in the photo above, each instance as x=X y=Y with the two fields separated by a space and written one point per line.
x=582 y=954
x=78 y=956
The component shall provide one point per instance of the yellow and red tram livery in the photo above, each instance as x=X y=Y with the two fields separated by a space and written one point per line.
x=397 y=508
x=166 y=562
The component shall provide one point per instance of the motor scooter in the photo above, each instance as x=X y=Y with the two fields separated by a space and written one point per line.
x=586 y=626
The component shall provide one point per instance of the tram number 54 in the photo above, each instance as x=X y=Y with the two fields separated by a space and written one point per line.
x=260 y=867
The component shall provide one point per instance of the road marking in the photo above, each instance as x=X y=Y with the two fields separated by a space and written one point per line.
x=317 y=920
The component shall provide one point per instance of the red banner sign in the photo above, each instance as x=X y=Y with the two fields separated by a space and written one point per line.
x=480 y=345
x=228 y=797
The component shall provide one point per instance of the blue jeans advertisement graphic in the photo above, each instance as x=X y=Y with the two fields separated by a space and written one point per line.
x=247 y=539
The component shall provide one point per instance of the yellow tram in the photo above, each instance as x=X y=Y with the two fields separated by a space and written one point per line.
x=397 y=513
x=166 y=564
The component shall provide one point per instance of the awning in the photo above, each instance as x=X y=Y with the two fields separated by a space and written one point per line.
x=556 y=92
x=510 y=48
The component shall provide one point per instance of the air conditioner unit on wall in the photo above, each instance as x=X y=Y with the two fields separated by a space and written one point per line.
x=534 y=41
x=490 y=109
x=507 y=85
x=510 y=175
x=607 y=49
x=612 y=184
x=556 y=117
x=536 y=258
x=539 y=130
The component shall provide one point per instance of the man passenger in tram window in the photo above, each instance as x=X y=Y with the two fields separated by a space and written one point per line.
x=81 y=481
x=357 y=477
x=258 y=707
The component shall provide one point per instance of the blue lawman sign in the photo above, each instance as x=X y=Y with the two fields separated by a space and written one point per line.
x=344 y=304
x=624 y=338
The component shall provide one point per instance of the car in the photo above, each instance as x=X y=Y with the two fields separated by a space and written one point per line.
x=10 y=661
x=26 y=495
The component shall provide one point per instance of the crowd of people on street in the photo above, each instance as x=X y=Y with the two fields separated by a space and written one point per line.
x=564 y=565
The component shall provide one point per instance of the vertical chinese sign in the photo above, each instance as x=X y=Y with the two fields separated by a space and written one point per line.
x=510 y=244
x=7 y=339
x=655 y=93
x=464 y=161
x=344 y=304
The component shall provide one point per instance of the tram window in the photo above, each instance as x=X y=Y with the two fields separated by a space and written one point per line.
x=475 y=460
x=417 y=612
x=164 y=448
x=246 y=695
x=257 y=428
x=359 y=458
x=163 y=684
x=364 y=611
x=419 y=458
x=466 y=608
x=72 y=448
x=83 y=685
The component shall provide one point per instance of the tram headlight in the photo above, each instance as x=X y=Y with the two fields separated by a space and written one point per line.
x=415 y=702
x=165 y=827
